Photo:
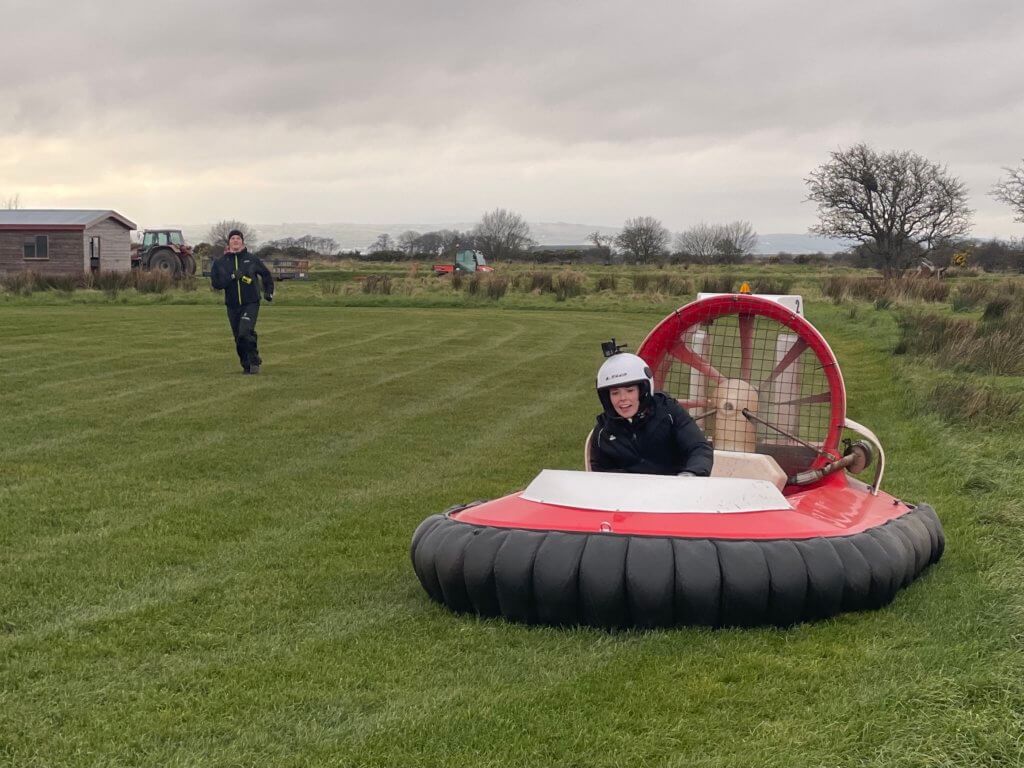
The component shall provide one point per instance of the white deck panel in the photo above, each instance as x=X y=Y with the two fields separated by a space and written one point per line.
x=618 y=492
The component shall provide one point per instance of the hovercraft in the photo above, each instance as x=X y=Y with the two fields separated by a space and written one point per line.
x=781 y=532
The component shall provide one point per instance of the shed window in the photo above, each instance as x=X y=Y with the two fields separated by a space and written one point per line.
x=37 y=247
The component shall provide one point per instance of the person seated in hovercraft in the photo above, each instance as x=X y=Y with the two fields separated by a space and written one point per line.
x=640 y=430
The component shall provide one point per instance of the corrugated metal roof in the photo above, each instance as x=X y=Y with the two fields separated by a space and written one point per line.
x=58 y=217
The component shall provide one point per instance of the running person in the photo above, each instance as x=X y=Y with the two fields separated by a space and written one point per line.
x=236 y=273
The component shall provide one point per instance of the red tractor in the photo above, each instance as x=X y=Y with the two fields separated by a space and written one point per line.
x=465 y=261
x=164 y=250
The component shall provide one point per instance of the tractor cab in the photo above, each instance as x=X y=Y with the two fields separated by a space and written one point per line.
x=470 y=261
x=153 y=238
x=465 y=261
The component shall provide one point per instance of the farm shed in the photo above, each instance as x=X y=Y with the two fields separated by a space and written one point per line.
x=64 y=241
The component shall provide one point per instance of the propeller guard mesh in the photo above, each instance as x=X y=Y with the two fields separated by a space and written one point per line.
x=755 y=375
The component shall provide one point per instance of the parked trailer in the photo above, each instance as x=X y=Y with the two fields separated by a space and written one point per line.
x=281 y=268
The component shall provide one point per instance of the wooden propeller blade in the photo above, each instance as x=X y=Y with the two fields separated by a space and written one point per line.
x=790 y=357
x=821 y=397
x=746 y=345
x=687 y=356
x=690 y=404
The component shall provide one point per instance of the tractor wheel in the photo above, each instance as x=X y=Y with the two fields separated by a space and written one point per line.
x=188 y=264
x=165 y=261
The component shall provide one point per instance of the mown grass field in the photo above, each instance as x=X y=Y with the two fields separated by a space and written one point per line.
x=202 y=568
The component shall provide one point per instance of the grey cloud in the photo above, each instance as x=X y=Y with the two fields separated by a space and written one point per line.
x=203 y=83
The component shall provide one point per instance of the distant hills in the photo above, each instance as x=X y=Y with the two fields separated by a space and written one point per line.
x=351 y=236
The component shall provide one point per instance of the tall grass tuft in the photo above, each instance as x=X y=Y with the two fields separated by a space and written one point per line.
x=112 y=283
x=996 y=309
x=777 y=285
x=152 y=282
x=329 y=287
x=965 y=400
x=967 y=297
x=568 y=284
x=641 y=282
x=19 y=283
x=380 y=284
x=535 y=281
x=925 y=290
x=607 y=283
x=674 y=285
x=924 y=333
x=835 y=288
x=497 y=286
x=457 y=280
x=475 y=283
x=961 y=343
x=717 y=284
x=839 y=287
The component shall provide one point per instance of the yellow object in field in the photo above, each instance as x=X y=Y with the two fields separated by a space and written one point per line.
x=745 y=288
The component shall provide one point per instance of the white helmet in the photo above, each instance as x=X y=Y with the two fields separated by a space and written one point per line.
x=624 y=370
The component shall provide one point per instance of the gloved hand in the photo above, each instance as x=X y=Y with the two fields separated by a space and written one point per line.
x=686 y=474
x=268 y=296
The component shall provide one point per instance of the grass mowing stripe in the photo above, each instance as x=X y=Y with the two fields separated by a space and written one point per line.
x=48 y=444
x=141 y=348
x=283 y=625
x=156 y=383
x=404 y=413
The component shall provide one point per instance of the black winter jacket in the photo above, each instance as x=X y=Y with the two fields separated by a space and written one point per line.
x=236 y=273
x=662 y=439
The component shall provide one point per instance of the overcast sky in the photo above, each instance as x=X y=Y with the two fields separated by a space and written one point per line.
x=190 y=111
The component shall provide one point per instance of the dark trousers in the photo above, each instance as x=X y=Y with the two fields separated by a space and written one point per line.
x=243 y=327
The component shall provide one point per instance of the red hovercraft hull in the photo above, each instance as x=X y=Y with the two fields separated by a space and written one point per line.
x=837 y=506
x=756 y=553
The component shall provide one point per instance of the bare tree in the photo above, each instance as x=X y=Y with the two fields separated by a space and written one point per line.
x=452 y=241
x=699 y=241
x=602 y=242
x=429 y=243
x=735 y=240
x=12 y=203
x=1011 y=191
x=382 y=243
x=502 y=234
x=644 y=238
x=325 y=246
x=407 y=241
x=218 y=234
x=897 y=204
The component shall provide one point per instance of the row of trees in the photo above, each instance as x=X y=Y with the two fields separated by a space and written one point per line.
x=503 y=235
x=645 y=239
x=897 y=206
x=500 y=235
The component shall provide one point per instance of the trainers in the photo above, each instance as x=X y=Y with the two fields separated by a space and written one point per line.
x=254 y=368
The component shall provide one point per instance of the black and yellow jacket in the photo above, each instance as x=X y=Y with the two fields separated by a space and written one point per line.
x=236 y=274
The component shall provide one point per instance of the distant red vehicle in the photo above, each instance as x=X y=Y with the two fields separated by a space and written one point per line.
x=465 y=261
